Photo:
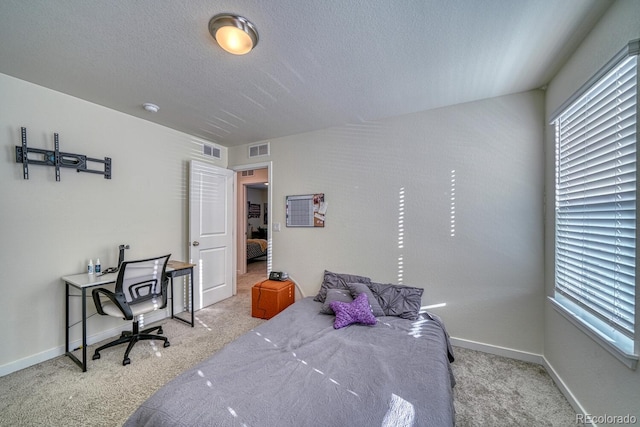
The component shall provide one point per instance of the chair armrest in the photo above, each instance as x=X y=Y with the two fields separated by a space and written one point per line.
x=117 y=299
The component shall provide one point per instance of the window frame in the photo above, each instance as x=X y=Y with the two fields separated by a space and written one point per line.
x=590 y=324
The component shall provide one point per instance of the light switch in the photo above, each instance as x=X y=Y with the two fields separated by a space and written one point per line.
x=276 y=226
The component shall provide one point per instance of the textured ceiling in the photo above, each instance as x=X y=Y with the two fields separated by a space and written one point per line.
x=318 y=64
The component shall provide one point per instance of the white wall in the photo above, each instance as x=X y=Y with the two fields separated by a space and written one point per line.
x=600 y=383
x=489 y=274
x=50 y=229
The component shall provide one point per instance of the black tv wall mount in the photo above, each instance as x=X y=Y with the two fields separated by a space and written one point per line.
x=57 y=159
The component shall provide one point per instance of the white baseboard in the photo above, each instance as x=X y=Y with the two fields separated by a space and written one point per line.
x=34 y=359
x=526 y=357
x=499 y=351
x=563 y=388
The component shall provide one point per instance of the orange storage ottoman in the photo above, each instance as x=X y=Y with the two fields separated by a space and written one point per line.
x=270 y=297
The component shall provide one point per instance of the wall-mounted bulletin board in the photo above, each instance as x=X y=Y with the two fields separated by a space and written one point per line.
x=306 y=210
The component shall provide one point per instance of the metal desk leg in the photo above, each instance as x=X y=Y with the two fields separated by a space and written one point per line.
x=84 y=330
x=66 y=307
x=180 y=273
x=171 y=297
x=83 y=363
x=191 y=292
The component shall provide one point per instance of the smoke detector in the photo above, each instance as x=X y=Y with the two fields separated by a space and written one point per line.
x=152 y=108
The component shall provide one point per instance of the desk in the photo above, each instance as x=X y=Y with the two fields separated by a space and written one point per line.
x=84 y=281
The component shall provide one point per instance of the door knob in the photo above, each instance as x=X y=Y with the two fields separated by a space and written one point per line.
x=196 y=243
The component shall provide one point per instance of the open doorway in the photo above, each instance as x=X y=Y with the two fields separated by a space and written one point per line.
x=257 y=226
x=253 y=220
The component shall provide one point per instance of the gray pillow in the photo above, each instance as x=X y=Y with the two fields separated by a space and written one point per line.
x=362 y=288
x=337 y=281
x=342 y=295
x=398 y=300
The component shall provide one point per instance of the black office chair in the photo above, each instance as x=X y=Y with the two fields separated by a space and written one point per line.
x=141 y=287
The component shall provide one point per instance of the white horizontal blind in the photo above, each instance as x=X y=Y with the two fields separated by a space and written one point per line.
x=596 y=198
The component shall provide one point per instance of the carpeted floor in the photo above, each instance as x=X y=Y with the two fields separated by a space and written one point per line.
x=497 y=391
x=490 y=390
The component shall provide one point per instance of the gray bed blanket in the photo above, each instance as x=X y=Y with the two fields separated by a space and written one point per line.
x=297 y=370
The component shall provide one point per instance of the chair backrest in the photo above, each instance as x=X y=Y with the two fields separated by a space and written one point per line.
x=141 y=280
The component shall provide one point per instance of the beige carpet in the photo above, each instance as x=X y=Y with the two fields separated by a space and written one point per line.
x=497 y=391
x=490 y=390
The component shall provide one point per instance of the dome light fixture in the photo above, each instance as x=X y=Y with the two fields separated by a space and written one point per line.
x=233 y=33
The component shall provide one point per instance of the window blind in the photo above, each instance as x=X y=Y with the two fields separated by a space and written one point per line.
x=596 y=198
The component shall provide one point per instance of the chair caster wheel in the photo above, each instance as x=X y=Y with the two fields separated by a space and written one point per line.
x=96 y=356
x=167 y=344
x=126 y=361
x=160 y=331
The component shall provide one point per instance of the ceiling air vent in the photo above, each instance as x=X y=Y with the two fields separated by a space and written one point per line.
x=247 y=173
x=259 y=150
x=211 y=151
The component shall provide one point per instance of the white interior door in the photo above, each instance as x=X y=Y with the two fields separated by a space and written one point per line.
x=211 y=221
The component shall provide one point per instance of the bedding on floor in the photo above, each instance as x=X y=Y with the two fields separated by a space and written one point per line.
x=299 y=369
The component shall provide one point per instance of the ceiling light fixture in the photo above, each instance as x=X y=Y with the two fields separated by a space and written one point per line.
x=152 y=108
x=233 y=33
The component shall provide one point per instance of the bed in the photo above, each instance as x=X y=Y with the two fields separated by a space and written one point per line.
x=297 y=369
x=256 y=248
